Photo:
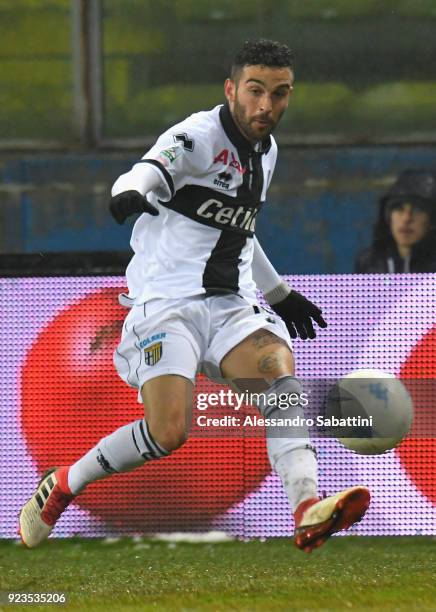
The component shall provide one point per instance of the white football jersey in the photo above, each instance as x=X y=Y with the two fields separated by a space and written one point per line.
x=213 y=183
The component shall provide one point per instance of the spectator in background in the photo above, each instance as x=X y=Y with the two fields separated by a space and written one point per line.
x=404 y=237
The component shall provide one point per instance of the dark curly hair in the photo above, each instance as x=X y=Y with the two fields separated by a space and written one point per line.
x=262 y=52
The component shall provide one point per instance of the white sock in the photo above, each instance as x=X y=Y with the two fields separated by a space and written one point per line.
x=289 y=449
x=297 y=469
x=122 y=451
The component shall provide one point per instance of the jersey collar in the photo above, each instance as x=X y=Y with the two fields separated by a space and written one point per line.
x=233 y=133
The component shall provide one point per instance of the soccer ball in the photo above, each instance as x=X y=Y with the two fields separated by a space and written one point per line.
x=374 y=410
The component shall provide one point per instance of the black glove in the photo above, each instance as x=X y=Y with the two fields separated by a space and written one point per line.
x=128 y=203
x=297 y=312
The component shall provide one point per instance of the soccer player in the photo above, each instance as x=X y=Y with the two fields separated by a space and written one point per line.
x=192 y=296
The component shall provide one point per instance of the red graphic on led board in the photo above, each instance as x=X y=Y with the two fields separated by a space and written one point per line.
x=72 y=397
x=418 y=451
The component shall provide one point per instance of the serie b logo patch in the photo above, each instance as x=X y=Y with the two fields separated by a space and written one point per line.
x=153 y=353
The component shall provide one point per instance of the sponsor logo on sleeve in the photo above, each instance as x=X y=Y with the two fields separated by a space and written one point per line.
x=169 y=155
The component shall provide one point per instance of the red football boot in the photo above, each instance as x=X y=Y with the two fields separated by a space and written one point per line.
x=317 y=519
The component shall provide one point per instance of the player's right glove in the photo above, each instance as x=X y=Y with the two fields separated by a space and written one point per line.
x=128 y=203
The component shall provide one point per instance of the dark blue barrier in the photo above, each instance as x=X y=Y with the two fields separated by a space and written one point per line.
x=320 y=210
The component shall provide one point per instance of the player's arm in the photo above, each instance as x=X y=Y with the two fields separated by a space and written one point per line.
x=129 y=192
x=295 y=310
x=181 y=152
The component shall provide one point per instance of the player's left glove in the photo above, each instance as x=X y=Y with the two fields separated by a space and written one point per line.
x=128 y=203
x=297 y=312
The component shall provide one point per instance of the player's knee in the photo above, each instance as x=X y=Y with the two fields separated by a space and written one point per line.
x=169 y=421
x=172 y=435
x=274 y=361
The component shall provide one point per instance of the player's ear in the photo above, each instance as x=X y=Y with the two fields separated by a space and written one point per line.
x=229 y=90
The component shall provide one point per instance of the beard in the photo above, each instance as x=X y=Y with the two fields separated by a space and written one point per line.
x=246 y=125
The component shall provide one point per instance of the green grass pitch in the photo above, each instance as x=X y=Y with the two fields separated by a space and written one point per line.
x=348 y=573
